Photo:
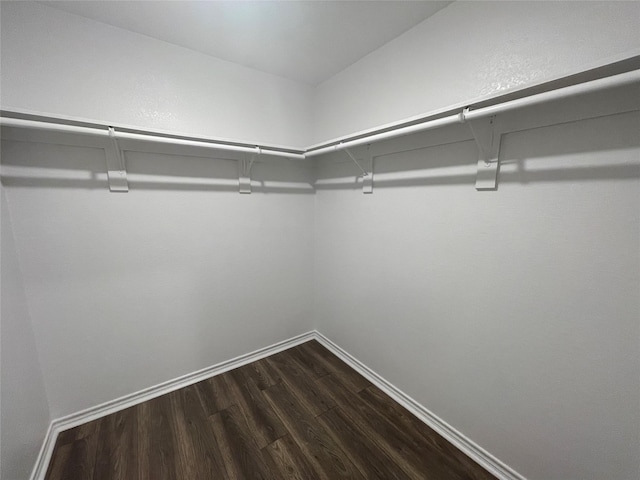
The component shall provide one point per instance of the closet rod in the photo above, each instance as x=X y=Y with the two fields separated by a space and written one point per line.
x=560 y=93
x=466 y=114
x=98 y=132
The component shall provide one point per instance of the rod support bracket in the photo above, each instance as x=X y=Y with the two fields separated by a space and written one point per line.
x=367 y=176
x=367 y=180
x=487 y=134
x=244 y=171
x=116 y=167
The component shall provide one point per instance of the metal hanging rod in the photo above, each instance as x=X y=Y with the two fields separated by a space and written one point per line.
x=468 y=114
x=118 y=135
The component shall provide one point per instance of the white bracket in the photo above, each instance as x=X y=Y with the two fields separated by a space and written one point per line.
x=116 y=168
x=244 y=172
x=367 y=176
x=488 y=137
x=367 y=180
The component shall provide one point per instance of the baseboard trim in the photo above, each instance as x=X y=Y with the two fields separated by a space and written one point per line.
x=493 y=465
x=112 y=406
x=44 y=455
x=496 y=467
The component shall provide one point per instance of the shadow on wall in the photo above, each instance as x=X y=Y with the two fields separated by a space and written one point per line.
x=567 y=152
x=33 y=165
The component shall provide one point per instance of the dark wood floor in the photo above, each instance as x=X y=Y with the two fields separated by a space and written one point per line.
x=300 y=414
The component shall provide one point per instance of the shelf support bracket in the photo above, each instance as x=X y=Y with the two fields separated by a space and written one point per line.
x=367 y=176
x=244 y=172
x=367 y=180
x=116 y=168
x=488 y=137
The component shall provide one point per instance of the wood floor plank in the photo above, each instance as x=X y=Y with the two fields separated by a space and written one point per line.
x=143 y=427
x=301 y=414
x=117 y=442
x=186 y=463
x=207 y=456
x=162 y=451
x=370 y=460
x=206 y=397
x=241 y=455
x=262 y=420
x=262 y=374
x=352 y=379
x=314 y=368
x=78 y=447
x=318 y=446
x=407 y=448
x=221 y=396
x=78 y=433
x=300 y=383
x=460 y=464
x=288 y=462
x=59 y=460
x=82 y=459
x=65 y=437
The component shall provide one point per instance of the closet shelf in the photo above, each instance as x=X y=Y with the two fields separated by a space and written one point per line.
x=107 y=131
x=427 y=122
x=468 y=113
x=480 y=121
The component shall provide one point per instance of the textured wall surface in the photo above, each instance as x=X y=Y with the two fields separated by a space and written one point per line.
x=512 y=315
x=63 y=64
x=25 y=411
x=129 y=290
x=470 y=50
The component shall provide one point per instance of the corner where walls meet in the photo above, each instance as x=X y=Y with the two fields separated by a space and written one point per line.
x=25 y=409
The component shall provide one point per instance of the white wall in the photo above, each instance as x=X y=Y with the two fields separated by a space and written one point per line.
x=25 y=411
x=127 y=290
x=512 y=315
x=469 y=50
x=63 y=64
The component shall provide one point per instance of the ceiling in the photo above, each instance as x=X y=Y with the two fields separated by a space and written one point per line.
x=305 y=41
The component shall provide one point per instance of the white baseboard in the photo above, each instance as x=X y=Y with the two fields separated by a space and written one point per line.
x=44 y=455
x=470 y=448
x=61 y=424
x=490 y=463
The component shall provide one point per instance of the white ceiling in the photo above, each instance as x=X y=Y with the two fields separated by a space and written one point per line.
x=306 y=41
